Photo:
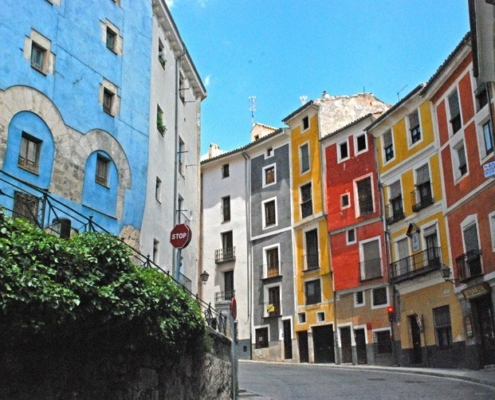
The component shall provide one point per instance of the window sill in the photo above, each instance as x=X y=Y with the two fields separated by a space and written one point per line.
x=38 y=70
x=32 y=171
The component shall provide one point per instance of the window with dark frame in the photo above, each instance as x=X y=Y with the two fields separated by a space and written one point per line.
x=274 y=301
x=344 y=201
x=304 y=158
x=156 y=246
x=361 y=142
x=424 y=195
x=359 y=298
x=481 y=97
x=365 y=197
x=269 y=152
x=312 y=257
x=38 y=55
x=226 y=208
x=29 y=153
x=372 y=263
x=443 y=328
x=101 y=174
x=261 y=338
x=383 y=342
x=388 y=145
x=108 y=97
x=25 y=206
x=488 y=137
x=313 y=292
x=396 y=211
x=306 y=201
x=343 y=151
x=414 y=127
x=351 y=236
x=305 y=123
x=228 y=284
x=111 y=39
x=272 y=262
x=225 y=171
x=158 y=189
x=379 y=296
x=461 y=157
x=455 y=112
x=270 y=214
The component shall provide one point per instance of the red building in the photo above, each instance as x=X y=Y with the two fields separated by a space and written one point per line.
x=357 y=245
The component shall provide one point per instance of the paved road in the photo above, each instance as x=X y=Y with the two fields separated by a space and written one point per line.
x=309 y=381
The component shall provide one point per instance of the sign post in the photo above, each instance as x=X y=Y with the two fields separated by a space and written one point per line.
x=180 y=237
x=233 y=330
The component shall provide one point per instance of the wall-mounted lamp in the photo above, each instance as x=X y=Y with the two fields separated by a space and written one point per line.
x=204 y=277
x=446 y=274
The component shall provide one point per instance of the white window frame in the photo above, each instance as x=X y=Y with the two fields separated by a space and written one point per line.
x=387 y=303
x=264 y=216
x=361 y=254
x=466 y=223
x=342 y=207
x=305 y=261
x=256 y=327
x=265 y=261
x=270 y=152
x=300 y=316
x=301 y=200
x=44 y=44
x=266 y=297
x=303 y=129
x=410 y=143
x=455 y=147
x=481 y=138
x=339 y=152
x=449 y=116
x=356 y=194
x=321 y=291
x=355 y=140
x=347 y=241
x=356 y=304
x=301 y=158
x=382 y=145
x=320 y=314
x=274 y=166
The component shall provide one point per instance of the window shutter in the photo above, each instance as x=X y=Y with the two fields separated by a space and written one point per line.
x=454 y=104
x=387 y=139
x=422 y=175
x=394 y=190
x=413 y=120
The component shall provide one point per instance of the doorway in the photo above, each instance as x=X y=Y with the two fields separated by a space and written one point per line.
x=302 y=341
x=323 y=344
x=287 y=339
x=345 y=340
x=484 y=316
x=416 y=354
x=360 y=336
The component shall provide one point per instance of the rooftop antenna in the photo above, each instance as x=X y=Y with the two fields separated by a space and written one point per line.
x=303 y=99
x=252 y=108
x=398 y=93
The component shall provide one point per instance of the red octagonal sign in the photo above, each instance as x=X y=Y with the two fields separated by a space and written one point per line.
x=180 y=236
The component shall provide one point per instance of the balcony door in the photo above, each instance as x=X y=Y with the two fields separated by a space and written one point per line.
x=471 y=244
x=402 y=256
x=228 y=277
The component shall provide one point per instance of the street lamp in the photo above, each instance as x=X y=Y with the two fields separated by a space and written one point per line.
x=446 y=274
x=204 y=277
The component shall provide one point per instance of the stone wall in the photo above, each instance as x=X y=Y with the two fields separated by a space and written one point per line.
x=60 y=371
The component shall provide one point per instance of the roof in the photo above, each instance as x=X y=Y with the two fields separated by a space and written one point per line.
x=303 y=107
x=347 y=126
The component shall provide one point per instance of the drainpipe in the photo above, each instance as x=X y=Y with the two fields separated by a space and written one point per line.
x=178 y=255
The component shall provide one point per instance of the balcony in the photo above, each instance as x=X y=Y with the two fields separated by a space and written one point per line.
x=422 y=197
x=371 y=269
x=272 y=309
x=224 y=255
x=394 y=212
x=469 y=265
x=312 y=262
x=271 y=270
x=224 y=296
x=416 y=265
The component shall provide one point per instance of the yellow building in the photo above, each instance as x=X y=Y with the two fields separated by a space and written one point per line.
x=426 y=322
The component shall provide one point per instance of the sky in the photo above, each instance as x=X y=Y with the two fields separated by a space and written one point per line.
x=280 y=50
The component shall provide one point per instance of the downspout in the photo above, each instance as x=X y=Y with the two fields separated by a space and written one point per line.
x=250 y=283
x=178 y=255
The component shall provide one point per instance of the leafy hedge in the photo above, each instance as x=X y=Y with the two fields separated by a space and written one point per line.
x=85 y=289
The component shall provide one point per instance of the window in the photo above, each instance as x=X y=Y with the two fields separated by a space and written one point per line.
x=488 y=137
x=423 y=195
x=455 y=112
x=227 y=242
x=359 y=299
x=158 y=189
x=270 y=215
x=443 y=329
x=25 y=206
x=269 y=152
x=383 y=342
x=29 y=153
x=272 y=263
x=388 y=145
x=351 y=236
x=460 y=160
x=492 y=229
x=395 y=210
x=481 y=97
x=110 y=42
x=228 y=284
x=365 y=196
x=38 y=55
x=304 y=157
x=414 y=128
x=101 y=175
x=305 y=123
x=343 y=151
x=107 y=101
x=225 y=171
x=182 y=88
x=161 y=53
x=226 y=208
x=156 y=245
x=320 y=316
x=306 y=201
x=159 y=121
x=312 y=259
x=313 y=292
x=269 y=175
x=361 y=143
x=371 y=266
x=301 y=317
x=273 y=306
x=180 y=156
x=380 y=297
x=261 y=338
x=344 y=201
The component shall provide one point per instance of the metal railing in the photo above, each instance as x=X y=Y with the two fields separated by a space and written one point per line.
x=371 y=269
x=55 y=217
x=312 y=262
x=469 y=265
x=394 y=214
x=224 y=296
x=418 y=264
x=422 y=197
x=224 y=255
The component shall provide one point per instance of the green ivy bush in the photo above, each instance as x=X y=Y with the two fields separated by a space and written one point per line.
x=85 y=289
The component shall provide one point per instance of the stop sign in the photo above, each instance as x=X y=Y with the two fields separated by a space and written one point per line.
x=180 y=236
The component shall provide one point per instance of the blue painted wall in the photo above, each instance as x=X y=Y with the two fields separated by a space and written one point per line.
x=82 y=62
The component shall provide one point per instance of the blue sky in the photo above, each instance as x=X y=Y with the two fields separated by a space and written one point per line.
x=279 y=50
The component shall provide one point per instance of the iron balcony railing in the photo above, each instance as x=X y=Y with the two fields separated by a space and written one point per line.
x=394 y=212
x=422 y=197
x=371 y=269
x=272 y=309
x=416 y=265
x=469 y=265
x=224 y=296
x=312 y=262
x=54 y=217
x=271 y=270
x=224 y=255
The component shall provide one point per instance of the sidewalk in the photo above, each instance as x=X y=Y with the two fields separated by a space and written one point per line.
x=483 y=376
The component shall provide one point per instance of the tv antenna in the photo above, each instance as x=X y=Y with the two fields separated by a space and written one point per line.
x=398 y=93
x=252 y=107
x=303 y=99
